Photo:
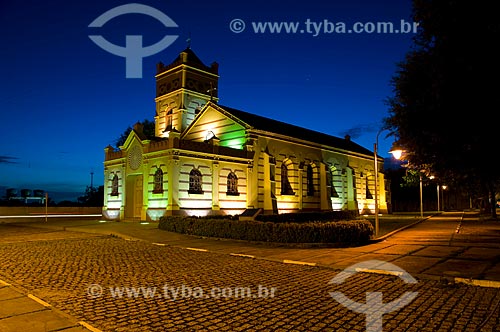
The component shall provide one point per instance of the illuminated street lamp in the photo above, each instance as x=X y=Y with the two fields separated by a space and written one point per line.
x=398 y=153
x=443 y=187
x=437 y=187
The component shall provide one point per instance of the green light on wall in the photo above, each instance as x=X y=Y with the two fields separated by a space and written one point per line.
x=234 y=143
x=235 y=140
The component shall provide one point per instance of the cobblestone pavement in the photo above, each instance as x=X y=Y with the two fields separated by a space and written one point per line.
x=119 y=285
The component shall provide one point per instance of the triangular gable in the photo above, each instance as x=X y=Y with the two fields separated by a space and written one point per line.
x=133 y=135
x=230 y=130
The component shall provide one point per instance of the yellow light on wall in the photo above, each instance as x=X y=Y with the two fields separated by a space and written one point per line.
x=155 y=215
x=111 y=214
x=232 y=204
x=197 y=213
x=114 y=205
x=156 y=204
x=286 y=206
x=337 y=205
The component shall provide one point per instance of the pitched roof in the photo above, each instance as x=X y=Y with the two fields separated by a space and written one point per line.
x=191 y=59
x=274 y=126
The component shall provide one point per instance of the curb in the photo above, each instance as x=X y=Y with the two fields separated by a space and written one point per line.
x=288 y=261
x=478 y=282
x=383 y=237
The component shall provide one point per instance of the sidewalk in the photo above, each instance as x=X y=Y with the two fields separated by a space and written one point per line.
x=26 y=312
x=450 y=246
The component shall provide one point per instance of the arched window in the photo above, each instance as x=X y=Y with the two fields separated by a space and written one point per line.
x=310 y=184
x=330 y=180
x=114 y=185
x=354 y=187
x=232 y=184
x=368 y=193
x=158 y=181
x=286 y=187
x=195 y=182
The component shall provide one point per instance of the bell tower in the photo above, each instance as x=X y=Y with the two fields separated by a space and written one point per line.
x=182 y=88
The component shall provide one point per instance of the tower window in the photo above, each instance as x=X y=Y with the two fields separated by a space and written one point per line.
x=232 y=184
x=169 y=120
x=195 y=182
x=158 y=182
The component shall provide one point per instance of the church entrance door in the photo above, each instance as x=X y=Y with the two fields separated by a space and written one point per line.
x=134 y=197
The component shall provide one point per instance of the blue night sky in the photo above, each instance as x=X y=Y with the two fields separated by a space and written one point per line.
x=64 y=99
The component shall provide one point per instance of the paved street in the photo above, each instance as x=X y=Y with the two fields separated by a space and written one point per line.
x=166 y=283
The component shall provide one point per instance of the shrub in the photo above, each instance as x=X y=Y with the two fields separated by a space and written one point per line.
x=309 y=216
x=346 y=232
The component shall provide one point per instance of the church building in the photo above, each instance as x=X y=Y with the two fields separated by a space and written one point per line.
x=208 y=158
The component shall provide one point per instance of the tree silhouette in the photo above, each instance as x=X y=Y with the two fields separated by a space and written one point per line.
x=445 y=92
x=148 y=130
x=94 y=196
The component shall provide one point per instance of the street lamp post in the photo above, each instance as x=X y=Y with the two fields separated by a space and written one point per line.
x=376 y=187
x=397 y=153
x=438 y=196
x=421 y=198
x=375 y=168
